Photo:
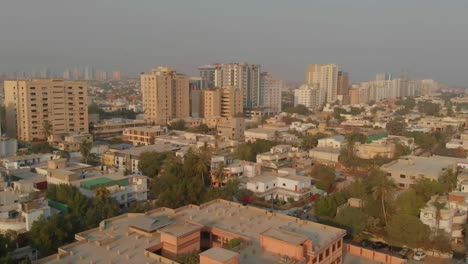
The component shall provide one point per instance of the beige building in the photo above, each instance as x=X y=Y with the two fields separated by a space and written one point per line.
x=211 y=103
x=224 y=232
x=342 y=85
x=32 y=104
x=231 y=128
x=375 y=149
x=231 y=102
x=325 y=76
x=166 y=95
x=143 y=135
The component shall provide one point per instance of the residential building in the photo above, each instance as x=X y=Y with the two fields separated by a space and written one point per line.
x=210 y=76
x=342 y=87
x=328 y=149
x=441 y=123
x=311 y=97
x=232 y=169
x=115 y=127
x=231 y=102
x=375 y=149
x=270 y=91
x=408 y=169
x=325 y=77
x=18 y=212
x=128 y=159
x=166 y=95
x=245 y=77
x=57 y=105
x=231 y=128
x=282 y=156
x=143 y=135
x=211 y=103
x=284 y=185
x=160 y=235
x=251 y=135
x=71 y=142
x=451 y=218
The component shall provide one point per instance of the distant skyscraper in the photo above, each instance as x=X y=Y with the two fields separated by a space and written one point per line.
x=343 y=85
x=116 y=76
x=101 y=75
x=166 y=95
x=67 y=74
x=88 y=73
x=270 y=91
x=76 y=74
x=325 y=77
x=309 y=96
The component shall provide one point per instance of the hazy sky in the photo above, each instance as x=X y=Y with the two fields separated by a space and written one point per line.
x=429 y=38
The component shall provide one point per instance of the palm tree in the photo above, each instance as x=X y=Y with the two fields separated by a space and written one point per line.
x=47 y=128
x=85 y=149
x=438 y=207
x=219 y=175
x=202 y=166
x=383 y=189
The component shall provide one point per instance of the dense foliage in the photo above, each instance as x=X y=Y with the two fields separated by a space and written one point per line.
x=248 y=151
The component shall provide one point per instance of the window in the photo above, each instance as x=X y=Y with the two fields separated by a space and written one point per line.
x=320 y=257
x=327 y=252
x=402 y=176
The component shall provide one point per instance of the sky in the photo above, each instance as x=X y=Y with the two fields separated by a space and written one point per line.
x=426 y=38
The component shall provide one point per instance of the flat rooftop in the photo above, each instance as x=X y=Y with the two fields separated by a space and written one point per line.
x=158 y=147
x=423 y=165
x=219 y=254
x=115 y=242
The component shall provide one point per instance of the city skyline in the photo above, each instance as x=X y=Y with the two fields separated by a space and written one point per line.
x=288 y=37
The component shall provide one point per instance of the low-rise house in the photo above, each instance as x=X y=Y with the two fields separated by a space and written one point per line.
x=406 y=170
x=374 y=150
x=301 y=127
x=283 y=185
x=72 y=142
x=253 y=134
x=281 y=156
x=112 y=128
x=441 y=123
x=328 y=149
x=451 y=217
x=231 y=128
x=143 y=135
x=26 y=161
x=231 y=170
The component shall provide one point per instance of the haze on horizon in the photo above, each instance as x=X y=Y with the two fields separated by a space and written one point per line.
x=428 y=38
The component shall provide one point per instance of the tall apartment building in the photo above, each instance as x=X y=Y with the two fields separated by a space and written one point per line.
x=32 y=104
x=325 y=77
x=270 y=91
x=210 y=76
x=310 y=97
x=211 y=103
x=231 y=102
x=166 y=95
x=342 y=85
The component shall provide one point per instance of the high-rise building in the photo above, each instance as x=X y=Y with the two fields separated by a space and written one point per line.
x=325 y=77
x=210 y=76
x=270 y=91
x=231 y=102
x=88 y=73
x=211 y=103
x=343 y=85
x=165 y=95
x=66 y=74
x=40 y=107
x=116 y=76
x=76 y=74
x=311 y=97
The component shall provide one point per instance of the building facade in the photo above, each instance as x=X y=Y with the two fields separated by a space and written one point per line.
x=38 y=108
x=270 y=91
x=166 y=95
x=325 y=77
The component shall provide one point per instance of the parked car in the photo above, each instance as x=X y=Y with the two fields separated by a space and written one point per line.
x=366 y=243
x=379 y=245
x=419 y=255
x=404 y=252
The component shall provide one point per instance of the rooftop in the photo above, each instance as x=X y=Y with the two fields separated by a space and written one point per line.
x=219 y=254
x=114 y=241
x=423 y=165
x=158 y=147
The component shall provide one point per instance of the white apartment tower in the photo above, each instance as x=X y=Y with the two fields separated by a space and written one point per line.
x=325 y=77
x=270 y=91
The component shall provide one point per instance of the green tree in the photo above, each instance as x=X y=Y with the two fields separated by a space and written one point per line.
x=383 y=189
x=352 y=219
x=48 y=235
x=151 y=162
x=410 y=203
x=189 y=258
x=407 y=230
x=396 y=127
x=426 y=188
x=299 y=109
x=325 y=176
x=178 y=125
x=325 y=207
x=356 y=137
x=311 y=141
x=438 y=206
x=85 y=149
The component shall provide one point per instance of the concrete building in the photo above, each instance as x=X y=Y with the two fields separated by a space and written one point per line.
x=231 y=128
x=31 y=105
x=328 y=149
x=115 y=127
x=245 y=77
x=311 y=97
x=160 y=235
x=211 y=103
x=375 y=149
x=70 y=142
x=270 y=91
x=253 y=134
x=166 y=95
x=8 y=146
x=283 y=185
x=210 y=76
x=325 y=77
x=342 y=89
x=407 y=169
x=282 y=156
x=232 y=104
x=143 y=135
